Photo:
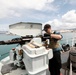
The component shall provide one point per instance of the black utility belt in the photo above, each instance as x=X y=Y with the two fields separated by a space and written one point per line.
x=56 y=51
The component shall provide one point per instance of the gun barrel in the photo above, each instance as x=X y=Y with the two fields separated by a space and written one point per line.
x=15 y=41
x=22 y=40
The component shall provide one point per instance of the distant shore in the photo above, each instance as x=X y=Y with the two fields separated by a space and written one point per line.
x=3 y=32
x=61 y=31
x=66 y=31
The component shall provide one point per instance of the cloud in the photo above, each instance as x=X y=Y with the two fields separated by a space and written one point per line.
x=11 y=7
x=70 y=17
x=51 y=8
x=67 y=21
x=55 y=24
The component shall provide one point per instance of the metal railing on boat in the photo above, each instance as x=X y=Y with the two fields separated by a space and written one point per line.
x=71 y=41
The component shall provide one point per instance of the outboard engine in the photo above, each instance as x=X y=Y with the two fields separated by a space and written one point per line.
x=66 y=47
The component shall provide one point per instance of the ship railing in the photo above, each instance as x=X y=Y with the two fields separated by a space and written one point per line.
x=70 y=41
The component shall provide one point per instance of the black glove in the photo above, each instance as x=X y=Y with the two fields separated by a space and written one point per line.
x=46 y=36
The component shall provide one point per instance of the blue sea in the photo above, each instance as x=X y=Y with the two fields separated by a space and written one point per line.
x=4 y=49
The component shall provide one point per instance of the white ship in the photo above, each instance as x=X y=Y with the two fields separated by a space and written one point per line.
x=30 y=57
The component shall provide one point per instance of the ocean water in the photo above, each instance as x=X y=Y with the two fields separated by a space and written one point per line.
x=4 y=49
x=67 y=38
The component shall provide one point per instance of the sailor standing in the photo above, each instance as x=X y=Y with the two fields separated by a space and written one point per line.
x=55 y=62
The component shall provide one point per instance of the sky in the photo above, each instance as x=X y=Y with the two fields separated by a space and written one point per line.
x=60 y=14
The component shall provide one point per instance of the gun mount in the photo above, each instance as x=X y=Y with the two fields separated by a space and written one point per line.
x=31 y=47
x=24 y=29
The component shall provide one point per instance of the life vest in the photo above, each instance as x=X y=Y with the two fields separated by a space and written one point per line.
x=54 y=43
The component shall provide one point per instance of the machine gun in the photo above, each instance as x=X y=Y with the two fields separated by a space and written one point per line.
x=20 y=40
x=27 y=31
x=31 y=37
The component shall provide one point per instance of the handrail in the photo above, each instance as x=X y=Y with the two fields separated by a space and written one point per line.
x=67 y=40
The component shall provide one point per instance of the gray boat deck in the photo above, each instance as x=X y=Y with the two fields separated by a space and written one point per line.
x=18 y=71
x=24 y=72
